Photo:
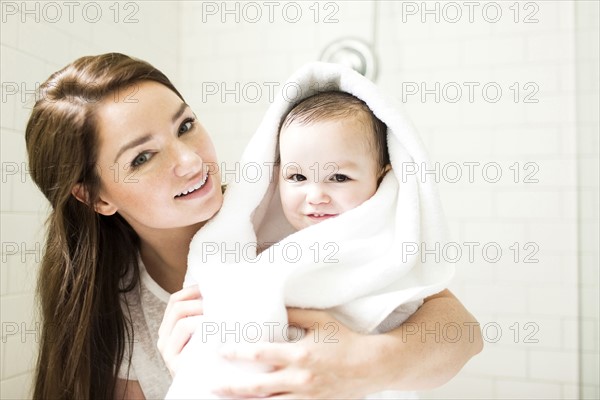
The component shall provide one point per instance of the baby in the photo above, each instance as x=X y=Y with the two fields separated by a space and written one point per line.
x=333 y=155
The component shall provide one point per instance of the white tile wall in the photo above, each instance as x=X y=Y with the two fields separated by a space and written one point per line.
x=31 y=51
x=559 y=133
x=588 y=165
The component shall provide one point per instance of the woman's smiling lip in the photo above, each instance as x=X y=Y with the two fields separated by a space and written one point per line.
x=203 y=185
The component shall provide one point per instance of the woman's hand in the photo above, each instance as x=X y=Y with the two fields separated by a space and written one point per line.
x=357 y=365
x=179 y=323
x=330 y=361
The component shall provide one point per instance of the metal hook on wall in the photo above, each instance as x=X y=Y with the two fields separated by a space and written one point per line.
x=353 y=53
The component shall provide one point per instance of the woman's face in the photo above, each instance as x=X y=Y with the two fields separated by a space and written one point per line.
x=157 y=164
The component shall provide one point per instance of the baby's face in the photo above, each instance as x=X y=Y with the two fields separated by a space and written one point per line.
x=327 y=168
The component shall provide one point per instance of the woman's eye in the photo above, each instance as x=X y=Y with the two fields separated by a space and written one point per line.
x=339 y=178
x=140 y=159
x=297 y=178
x=186 y=126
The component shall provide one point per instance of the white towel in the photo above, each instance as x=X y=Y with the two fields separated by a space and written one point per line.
x=361 y=265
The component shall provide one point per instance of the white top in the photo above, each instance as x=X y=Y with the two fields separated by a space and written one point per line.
x=147 y=303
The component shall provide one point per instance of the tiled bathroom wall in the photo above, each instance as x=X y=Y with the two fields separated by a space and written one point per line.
x=503 y=93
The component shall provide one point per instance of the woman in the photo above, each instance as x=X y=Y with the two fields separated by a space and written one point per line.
x=127 y=169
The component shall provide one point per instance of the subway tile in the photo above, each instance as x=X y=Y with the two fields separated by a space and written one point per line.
x=526 y=141
x=22 y=272
x=504 y=233
x=557 y=366
x=499 y=362
x=508 y=299
x=11 y=85
x=519 y=265
x=589 y=301
x=19 y=387
x=471 y=204
x=30 y=33
x=570 y=391
x=473 y=273
x=521 y=389
x=20 y=351
x=590 y=390
x=528 y=18
x=551 y=109
x=18 y=310
x=10 y=25
x=554 y=237
x=549 y=47
x=25 y=195
x=4 y=286
x=496 y=51
x=471 y=142
x=560 y=171
x=570 y=333
x=22 y=228
x=462 y=387
x=553 y=300
x=421 y=112
x=520 y=333
x=528 y=204
x=586 y=14
x=427 y=54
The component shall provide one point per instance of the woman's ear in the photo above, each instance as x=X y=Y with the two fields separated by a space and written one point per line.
x=101 y=206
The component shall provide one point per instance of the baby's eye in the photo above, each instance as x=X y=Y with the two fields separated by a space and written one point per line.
x=340 y=178
x=186 y=126
x=140 y=159
x=296 y=178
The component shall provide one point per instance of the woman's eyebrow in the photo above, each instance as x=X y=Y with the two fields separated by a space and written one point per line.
x=135 y=142
x=147 y=137
x=179 y=112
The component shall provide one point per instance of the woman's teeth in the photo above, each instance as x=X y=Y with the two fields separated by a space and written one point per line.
x=192 y=189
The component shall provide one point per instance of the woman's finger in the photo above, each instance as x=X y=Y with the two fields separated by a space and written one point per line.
x=180 y=335
x=178 y=311
x=263 y=385
x=188 y=293
x=274 y=354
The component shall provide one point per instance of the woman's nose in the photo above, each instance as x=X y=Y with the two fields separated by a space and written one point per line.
x=186 y=160
x=317 y=194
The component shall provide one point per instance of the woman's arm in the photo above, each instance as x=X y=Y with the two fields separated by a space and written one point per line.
x=427 y=351
x=436 y=342
x=128 y=390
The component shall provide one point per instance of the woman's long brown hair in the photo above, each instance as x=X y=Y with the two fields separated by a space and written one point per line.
x=88 y=256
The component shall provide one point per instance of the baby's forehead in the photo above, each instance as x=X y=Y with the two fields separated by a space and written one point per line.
x=356 y=130
x=359 y=118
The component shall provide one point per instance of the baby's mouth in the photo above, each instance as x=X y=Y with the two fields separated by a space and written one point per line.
x=320 y=216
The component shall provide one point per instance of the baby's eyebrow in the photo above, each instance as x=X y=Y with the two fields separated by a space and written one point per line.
x=344 y=163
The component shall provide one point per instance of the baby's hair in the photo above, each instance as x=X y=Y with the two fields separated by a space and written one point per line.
x=336 y=105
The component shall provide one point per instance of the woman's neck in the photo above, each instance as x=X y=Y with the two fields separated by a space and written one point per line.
x=165 y=256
